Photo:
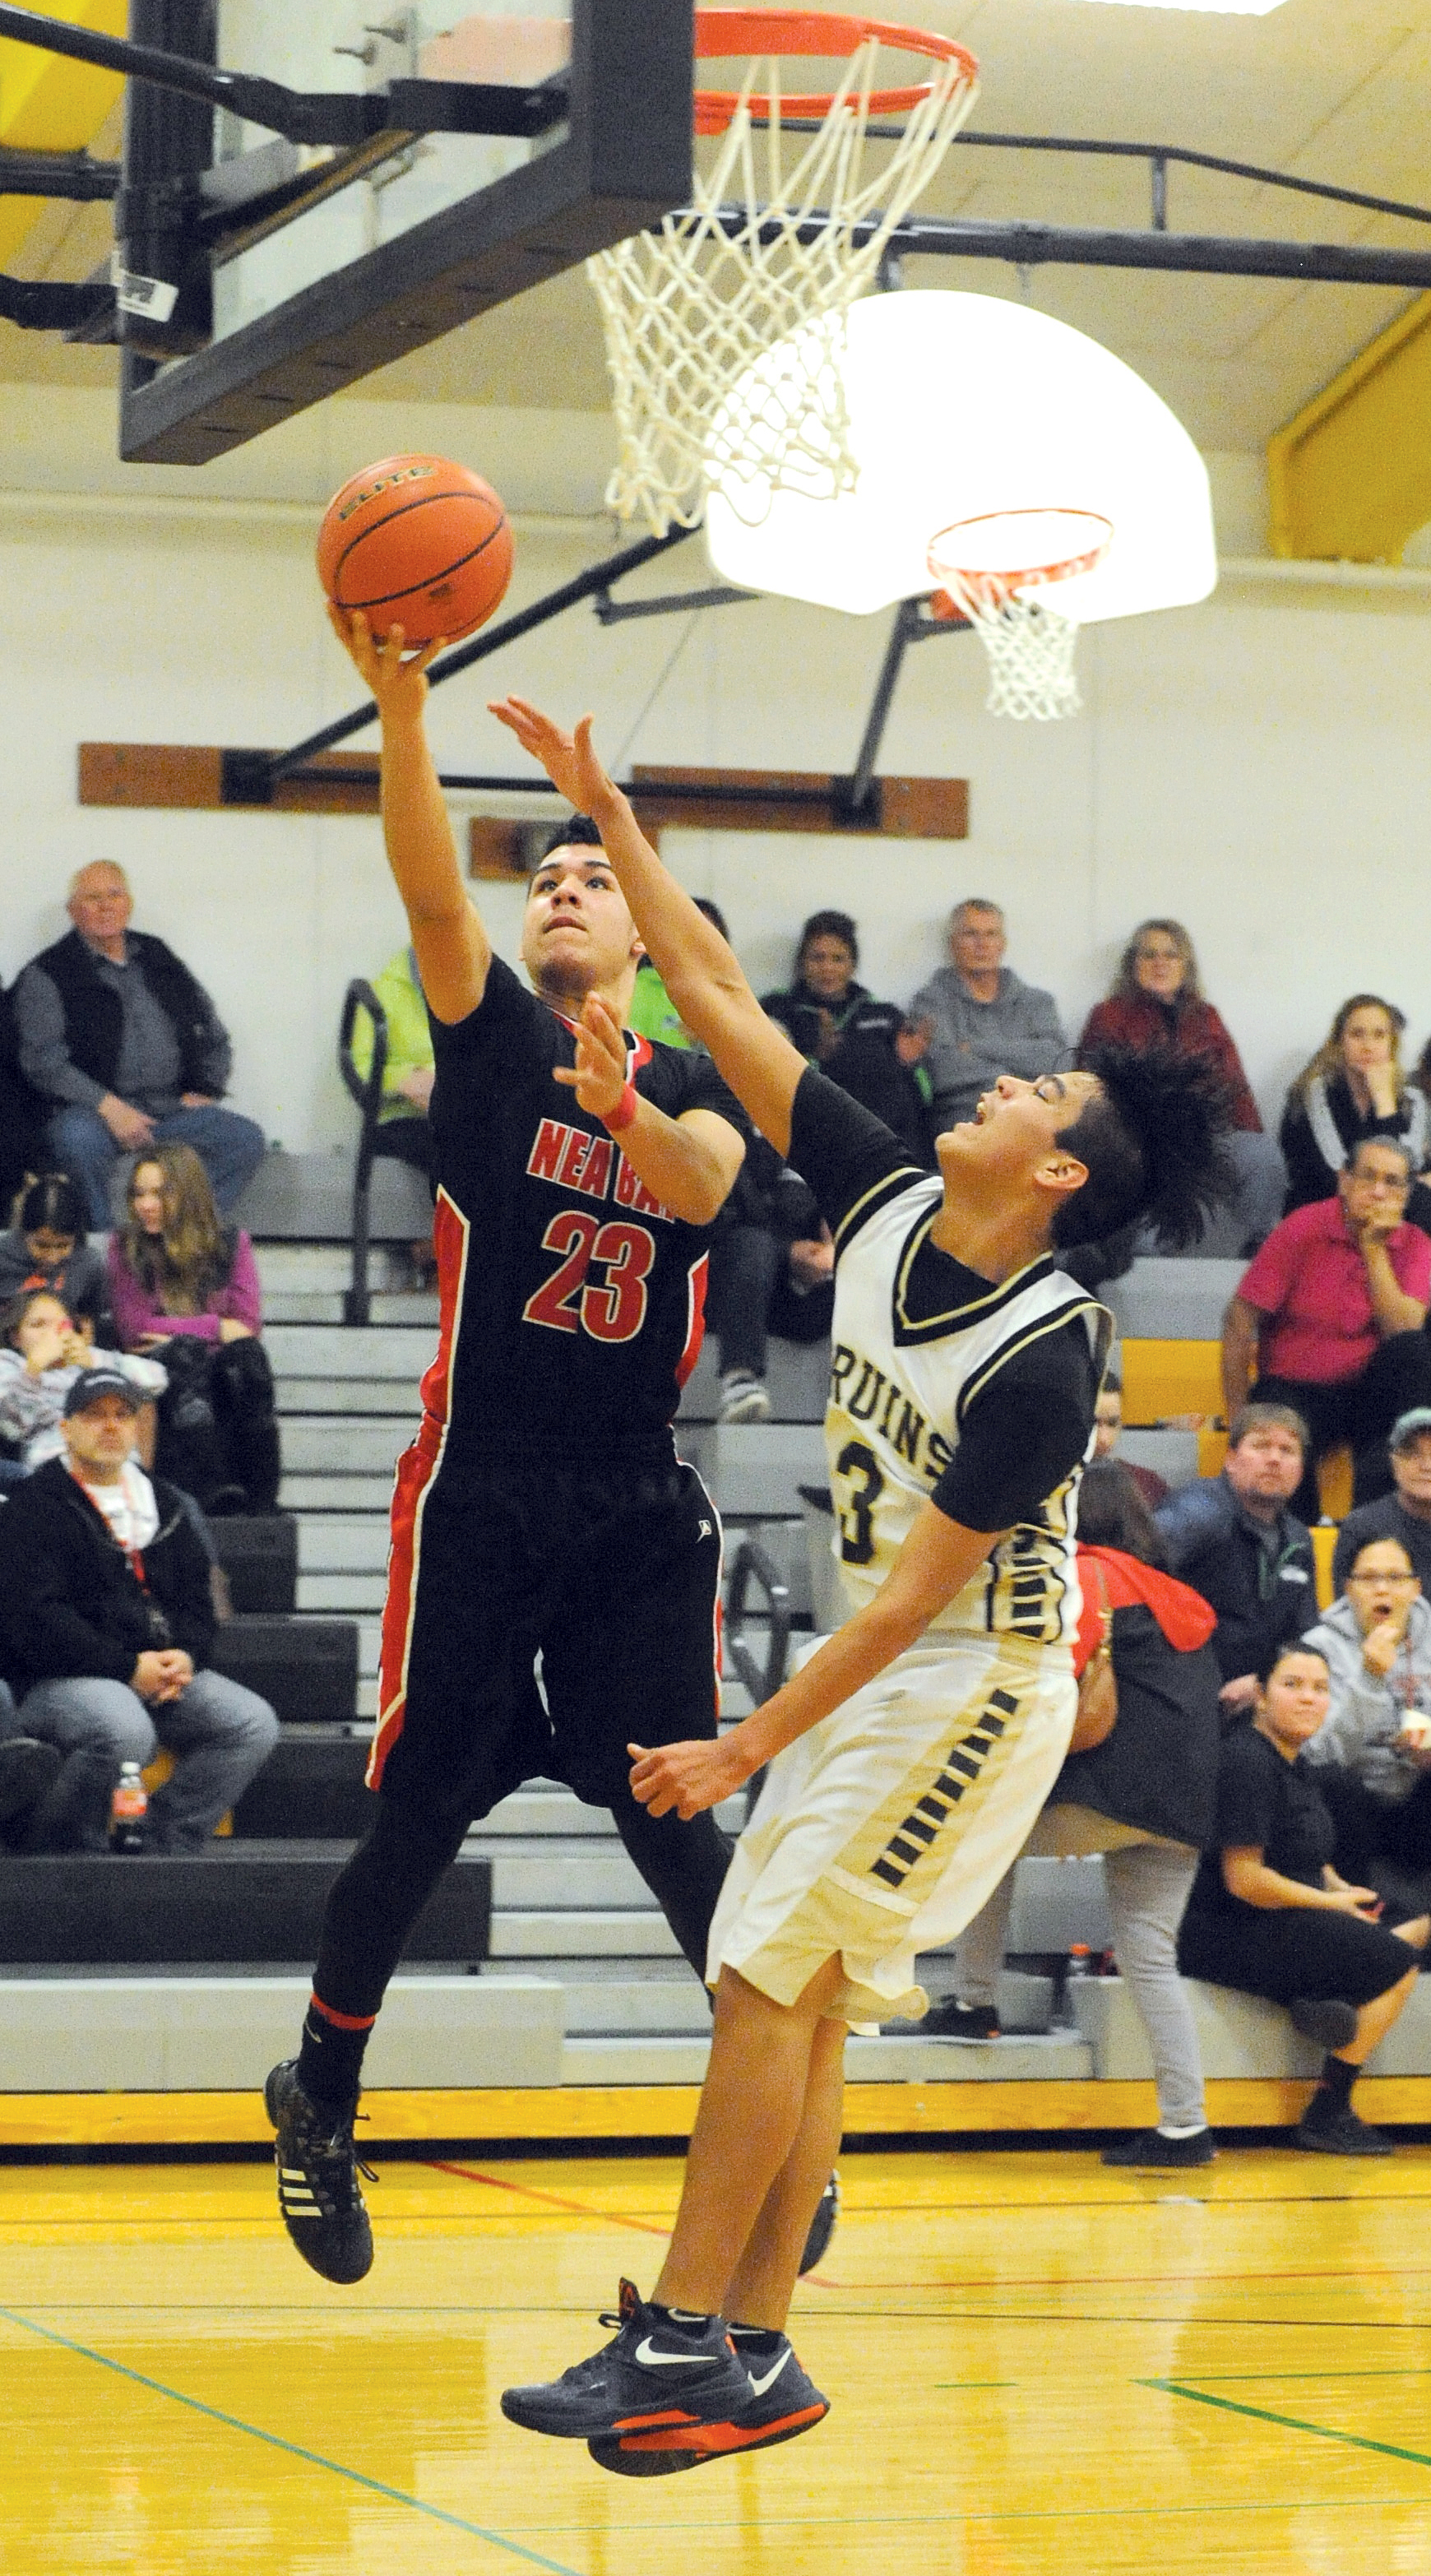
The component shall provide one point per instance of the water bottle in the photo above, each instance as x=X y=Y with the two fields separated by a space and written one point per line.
x=128 y=1811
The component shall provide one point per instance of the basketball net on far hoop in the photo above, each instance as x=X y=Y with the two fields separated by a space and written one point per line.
x=996 y=571
x=776 y=242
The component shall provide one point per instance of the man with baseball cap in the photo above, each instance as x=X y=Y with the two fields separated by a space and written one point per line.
x=106 y=1625
x=1405 y=1513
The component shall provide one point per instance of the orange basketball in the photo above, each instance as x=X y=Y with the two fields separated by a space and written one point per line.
x=416 y=542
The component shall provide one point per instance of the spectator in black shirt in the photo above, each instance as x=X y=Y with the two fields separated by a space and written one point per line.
x=1353 y=1089
x=1269 y=1915
x=1404 y=1514
x=1235 y=1541
x=22 y=1112
x=867 y=1047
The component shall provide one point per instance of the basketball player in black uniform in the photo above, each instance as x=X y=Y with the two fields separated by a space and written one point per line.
x=541 y=1512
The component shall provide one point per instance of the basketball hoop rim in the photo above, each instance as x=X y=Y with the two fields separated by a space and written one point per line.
x=722 y=32
x=993 y=581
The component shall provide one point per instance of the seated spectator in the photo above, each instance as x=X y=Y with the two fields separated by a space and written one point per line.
x=983 y=1020
x=28 y=1772
x=1330 y=1313
x=866 y=1046
x=106 y=1624
x=1157 y=1000
x=1234 y=1539
x=185 y=1290
x=1144 y=1798
x=772 y=1267
x=1404 y=1514
x=126 y=1049
x=47 y=1248
x=403 y=1129
x=42 y=1352
x=22 y=1113
x=1372 y=1756
x=1353 y=1089
x=1269 y=1915
x=1108 y=1431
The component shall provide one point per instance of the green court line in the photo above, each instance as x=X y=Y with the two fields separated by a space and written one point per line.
x=1204 y=2376
x=1290 y=2423
x=295 y=2450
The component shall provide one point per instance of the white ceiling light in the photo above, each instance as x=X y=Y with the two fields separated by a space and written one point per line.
x=960 y=406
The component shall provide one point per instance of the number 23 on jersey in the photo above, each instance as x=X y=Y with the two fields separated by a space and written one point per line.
x=611 y=1308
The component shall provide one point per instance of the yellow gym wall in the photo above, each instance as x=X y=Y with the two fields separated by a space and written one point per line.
x=1259 y=766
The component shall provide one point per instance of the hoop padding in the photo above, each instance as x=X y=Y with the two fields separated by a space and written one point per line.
x=691 y=306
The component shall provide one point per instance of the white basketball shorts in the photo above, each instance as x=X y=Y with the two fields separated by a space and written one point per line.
x=883 y=1831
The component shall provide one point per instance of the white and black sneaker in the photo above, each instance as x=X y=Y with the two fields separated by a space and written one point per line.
x=661 y=2373
x=782 y=2401
x=319 y=2195
x=743 y=1397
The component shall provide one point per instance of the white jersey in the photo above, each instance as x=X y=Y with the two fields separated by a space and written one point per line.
x=901 y=1384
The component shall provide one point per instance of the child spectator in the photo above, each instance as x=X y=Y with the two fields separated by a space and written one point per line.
x=1157 y=1000
x=47 y=1248
x=1108 y=1431
x=1353 y=1089
x=1269 y=1915
x=42 y=1352
x=184 y=1288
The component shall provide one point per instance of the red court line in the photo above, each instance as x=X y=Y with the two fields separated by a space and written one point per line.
x=552 y=2199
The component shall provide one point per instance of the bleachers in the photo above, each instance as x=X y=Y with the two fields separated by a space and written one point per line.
x=553 y=1965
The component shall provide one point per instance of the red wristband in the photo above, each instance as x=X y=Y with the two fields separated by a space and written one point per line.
x=623 y=1113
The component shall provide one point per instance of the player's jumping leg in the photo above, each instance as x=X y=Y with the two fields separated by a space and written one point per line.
x=765 y=2134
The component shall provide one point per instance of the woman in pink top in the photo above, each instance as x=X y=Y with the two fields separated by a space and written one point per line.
x=184 y=1288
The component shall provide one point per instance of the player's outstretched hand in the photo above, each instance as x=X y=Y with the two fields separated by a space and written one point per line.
x=688 y=1777
x=398 y=684
x=568 y=758
x=598 y=1076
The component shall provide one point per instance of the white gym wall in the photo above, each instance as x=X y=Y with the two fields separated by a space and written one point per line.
x=1259 y=766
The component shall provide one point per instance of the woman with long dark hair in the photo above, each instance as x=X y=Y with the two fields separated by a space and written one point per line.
x=1156 y=1000
x=185 y=1288
x=1143 y=1797
x=867 y=1047
x=1353 y=1089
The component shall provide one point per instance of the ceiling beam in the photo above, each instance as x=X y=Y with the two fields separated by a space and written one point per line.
x=1350 y=475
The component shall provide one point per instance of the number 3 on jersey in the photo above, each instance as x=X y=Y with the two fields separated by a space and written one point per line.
x=856 y=1500
x=569 y=1302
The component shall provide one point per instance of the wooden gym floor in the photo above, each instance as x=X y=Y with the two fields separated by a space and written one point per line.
x=1037 y=2365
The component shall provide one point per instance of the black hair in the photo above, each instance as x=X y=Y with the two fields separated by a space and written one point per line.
x=713 y=913
x=54 y=1203
x=1275 y=1655
x=12 y=1315
x=829 y=925
x=578 y=832
x=1112 y=1513
x=1112 y=1383
x=1154 y=1140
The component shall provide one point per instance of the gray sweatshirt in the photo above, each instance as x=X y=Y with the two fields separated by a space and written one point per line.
x=1368 y=1712
x=974 y=1042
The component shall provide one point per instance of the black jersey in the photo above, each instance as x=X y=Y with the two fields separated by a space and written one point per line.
x=572 y=1301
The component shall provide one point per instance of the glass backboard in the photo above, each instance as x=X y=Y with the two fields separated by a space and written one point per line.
x=308 y=265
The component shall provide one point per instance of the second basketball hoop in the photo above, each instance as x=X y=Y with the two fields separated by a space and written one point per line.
x=997 y=572
x=786 y=229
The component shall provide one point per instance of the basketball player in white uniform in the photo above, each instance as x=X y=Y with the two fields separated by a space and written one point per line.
x=910 y=1755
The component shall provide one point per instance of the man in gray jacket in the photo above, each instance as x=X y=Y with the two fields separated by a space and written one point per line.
x=983 y=1020
x=1372 y=1753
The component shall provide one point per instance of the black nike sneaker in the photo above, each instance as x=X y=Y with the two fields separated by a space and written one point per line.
x=782 y=2402
x=659 y=2373
x=319 y=2194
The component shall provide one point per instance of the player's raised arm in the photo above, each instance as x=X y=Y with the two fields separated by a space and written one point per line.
x=452 y=948
x=696 y=965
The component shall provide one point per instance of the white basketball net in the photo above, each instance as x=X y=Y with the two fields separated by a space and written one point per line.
x=689 y=307
x=1029 y=647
